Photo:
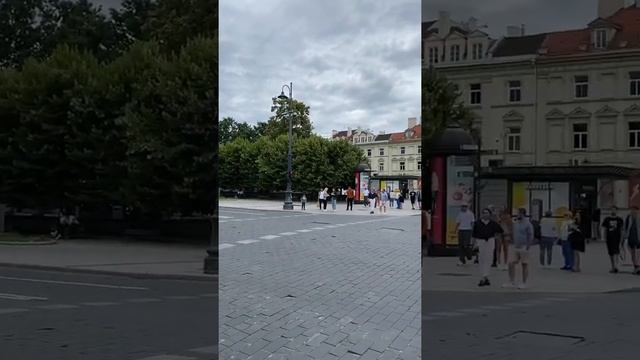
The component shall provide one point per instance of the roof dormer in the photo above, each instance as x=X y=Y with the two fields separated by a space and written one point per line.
x=602 y=33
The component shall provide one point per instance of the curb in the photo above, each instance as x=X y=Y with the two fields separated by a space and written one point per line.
x=204 y=278
x=28 y=243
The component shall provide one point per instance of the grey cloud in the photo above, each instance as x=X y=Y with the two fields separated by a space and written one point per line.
x=347 y=60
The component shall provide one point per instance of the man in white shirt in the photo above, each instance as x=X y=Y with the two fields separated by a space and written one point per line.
x=464 y=227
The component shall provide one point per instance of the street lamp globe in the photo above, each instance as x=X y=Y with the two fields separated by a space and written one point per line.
x=282 y=96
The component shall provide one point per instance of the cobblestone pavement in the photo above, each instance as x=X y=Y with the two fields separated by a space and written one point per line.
x=527 y=326
x=319 y=286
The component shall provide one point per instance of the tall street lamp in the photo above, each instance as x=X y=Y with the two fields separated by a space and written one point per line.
x=288 y=201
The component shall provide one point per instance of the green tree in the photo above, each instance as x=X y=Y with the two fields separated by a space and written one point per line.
x=238 y=163
x=52 y=145
x=129 y=21
x=278 y=123
x=442 y=106
x=231 y=130
x=173 y=22
x=20 y=33
x=171 y=129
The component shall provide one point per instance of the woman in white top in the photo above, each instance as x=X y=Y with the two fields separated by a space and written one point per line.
x=548 y=237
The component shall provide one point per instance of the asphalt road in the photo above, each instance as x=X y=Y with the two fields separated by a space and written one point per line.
x=50 y=315
x=530 y=326
x=319 y=285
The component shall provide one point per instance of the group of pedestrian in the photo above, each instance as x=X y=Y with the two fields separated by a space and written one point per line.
x=503 y=238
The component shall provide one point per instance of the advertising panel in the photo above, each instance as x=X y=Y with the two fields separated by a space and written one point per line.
x=362 y=186
x=459 y=191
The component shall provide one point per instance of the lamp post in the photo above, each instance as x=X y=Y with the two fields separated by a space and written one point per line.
x=288 y=201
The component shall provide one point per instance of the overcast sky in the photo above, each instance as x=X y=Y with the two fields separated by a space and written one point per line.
x=537 y=15
x=353 y=62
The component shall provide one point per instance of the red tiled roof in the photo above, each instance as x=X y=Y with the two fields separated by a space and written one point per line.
x=397 y=136
x=573 y=42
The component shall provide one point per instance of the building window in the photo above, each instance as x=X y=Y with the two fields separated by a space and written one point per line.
x=634 y=135
x=580 y=136
x=380 y=167
x=363 y=139
x=381 y=151
x=433 y=55
x=419 y=165
x=368 y=152
x=401 y=165
x=513 y=140
x=455 y=53
x=477 y=51
x=601 y=39
x=419 y=149
x=475 y=94
x=402 y=150
x=634 y=83
x=582 y=86
x=515 y=91
x=357 y=140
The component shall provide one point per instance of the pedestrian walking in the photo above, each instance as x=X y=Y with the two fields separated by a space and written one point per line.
x=303 y=202
x=596 y=233
x=323 y=199
x=632 y=237
x=464 y=229
x=484 y=234
x=567 y=251
x=384 y=201
x=372 y=201
x=365 y=197
x=333 y=195
x=400 y=200
x=320 y=199
x=613 y=225
x=351 y=195
x=393 y=196
x=412 y=198
x=548 y=238
x=506 y=223
x=577 y=240
x=523 y=236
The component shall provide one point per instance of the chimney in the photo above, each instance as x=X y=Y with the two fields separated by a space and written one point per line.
x=514 y=31
x=349 y=131
x=607 y=8
x=444 y=23
x=412 y=122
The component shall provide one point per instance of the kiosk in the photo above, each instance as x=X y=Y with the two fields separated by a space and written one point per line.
x=451 y=182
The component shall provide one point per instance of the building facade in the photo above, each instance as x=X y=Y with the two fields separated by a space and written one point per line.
x=395 y=158
x=558 y=113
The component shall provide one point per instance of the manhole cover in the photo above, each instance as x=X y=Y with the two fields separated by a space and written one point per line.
x=452 y=274
x=541 y=339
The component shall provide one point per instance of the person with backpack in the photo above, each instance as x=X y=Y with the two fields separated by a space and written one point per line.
x=632 y=237
x=613 y=225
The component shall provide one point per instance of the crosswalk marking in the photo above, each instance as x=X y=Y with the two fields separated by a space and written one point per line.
x=12 y=311
x=57 y=307
x=287 y=233
x=21 y=297
x=225 y=246
x=304 y=231
x=250 y=241
x=269 y=237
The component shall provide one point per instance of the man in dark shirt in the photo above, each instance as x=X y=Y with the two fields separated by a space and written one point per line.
x=612 y=225
x=484 y=234
x=632 y=235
